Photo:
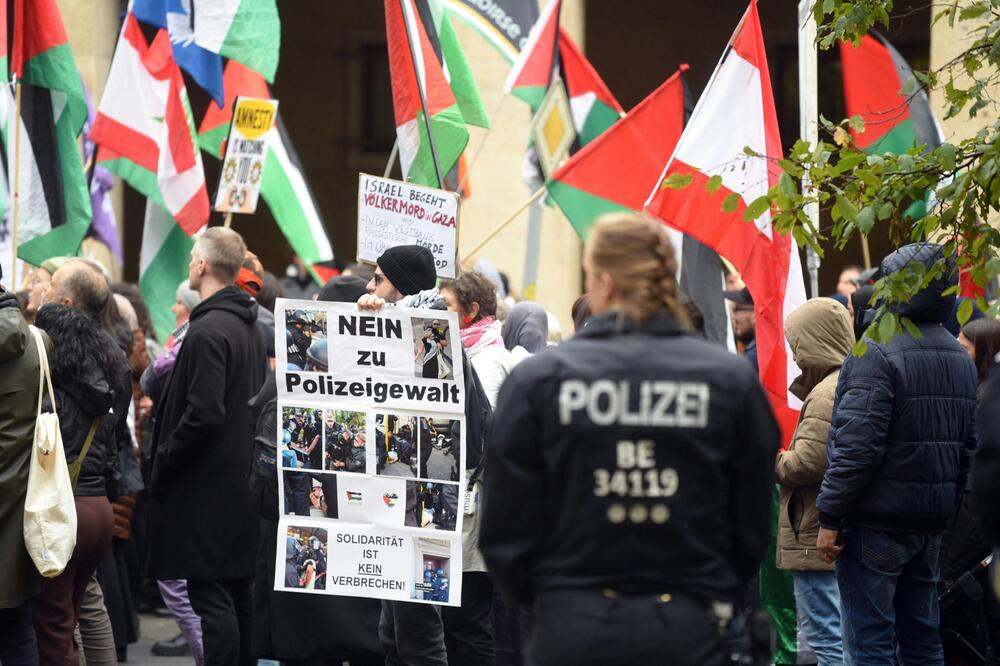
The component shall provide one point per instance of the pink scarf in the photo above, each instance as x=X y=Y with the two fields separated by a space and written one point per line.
x=482 y=333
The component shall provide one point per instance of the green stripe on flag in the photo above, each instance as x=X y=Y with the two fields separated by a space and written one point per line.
x=63 y=241
x=463 y=84
x=777 y=595
x=581 y=208
x=142 y=179
x=897 y=141
x=450 y=139
x=56 y=70
x=533 y=95
x=211 y=141
x=254 y=37
x=158 y=284
x=286 y=205
x=600 y=118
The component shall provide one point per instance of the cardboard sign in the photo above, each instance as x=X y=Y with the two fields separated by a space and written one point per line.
x=391 y=213
x=371 y=436
x=246 y=153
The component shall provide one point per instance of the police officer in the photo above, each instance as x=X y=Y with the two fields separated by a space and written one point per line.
x=630 y=471
x=298 y=337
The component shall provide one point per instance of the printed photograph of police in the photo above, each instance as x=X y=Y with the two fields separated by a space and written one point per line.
x=306 y=494
x=433 y=566
x=439 y=448
x=432 y=506
x=345 y=439
x=432 y=357
x=301 y=433
x=396 y=445
x=305 y=339
x=305 y=558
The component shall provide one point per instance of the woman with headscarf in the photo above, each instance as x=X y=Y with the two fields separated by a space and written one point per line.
x=525 y=331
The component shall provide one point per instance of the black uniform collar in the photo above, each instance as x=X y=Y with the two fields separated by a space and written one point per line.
x=614 y=323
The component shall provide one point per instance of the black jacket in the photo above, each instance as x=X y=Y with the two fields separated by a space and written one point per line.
x=79 y=404
x=203 y=523
x=903 y=426
x=986 y=468
x=667 y=490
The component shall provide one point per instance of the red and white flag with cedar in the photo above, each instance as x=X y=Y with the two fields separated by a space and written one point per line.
x=736 y=111
x=145 y=129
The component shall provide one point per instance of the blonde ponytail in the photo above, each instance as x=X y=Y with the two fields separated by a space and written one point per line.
x=638 y=256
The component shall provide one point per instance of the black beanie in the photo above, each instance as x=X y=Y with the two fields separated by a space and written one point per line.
x=410 y=268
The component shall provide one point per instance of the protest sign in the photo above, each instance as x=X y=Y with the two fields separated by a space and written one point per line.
x=246 y=153
x=371 y=442
x=391 y=213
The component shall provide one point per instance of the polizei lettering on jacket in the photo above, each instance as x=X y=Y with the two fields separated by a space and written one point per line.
x=377 y=390
x=635 y=403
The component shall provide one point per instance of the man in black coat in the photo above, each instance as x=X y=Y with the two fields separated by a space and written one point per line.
x=203 y=525
x=900 y=443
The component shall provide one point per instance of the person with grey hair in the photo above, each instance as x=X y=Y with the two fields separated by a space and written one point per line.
x=80 y=284
x=203 y=527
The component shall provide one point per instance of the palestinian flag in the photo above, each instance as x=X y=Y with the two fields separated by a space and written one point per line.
x=616 y=172
x=409 y=79
x=739 y=99
x=247 y=31
x=53 y=198
x=163 y=265
x=531 y=74
x=618 y=169
x=284 y=187
x=441 y=33
x=880 y=87
x=145 y=129
x=593 y=106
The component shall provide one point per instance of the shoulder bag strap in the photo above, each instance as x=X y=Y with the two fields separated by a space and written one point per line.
x=74 y=469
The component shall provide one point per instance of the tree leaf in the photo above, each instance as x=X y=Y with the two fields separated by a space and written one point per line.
x=911 y=328
x=947 y=153
x=714 y=183
x=756 y=208
x=866 y=219
x=964 y=311
x=886 y=327
x=848 y=210
x=677 y=181
x=731 y=203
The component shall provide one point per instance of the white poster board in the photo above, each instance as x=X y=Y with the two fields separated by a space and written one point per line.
x=391 y=213
x=371 y=443
x=246 y=154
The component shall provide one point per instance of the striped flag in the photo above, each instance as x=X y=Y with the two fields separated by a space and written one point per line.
x=163 y=265
x=53 y=199
x=247 y=31
x=284 y=187
x=410 y=78
x=724 y=184
x=145 y=130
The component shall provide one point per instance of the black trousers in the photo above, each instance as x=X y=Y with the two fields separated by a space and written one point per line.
x=418 y=634
x=584 y=627
x=225 y=608
x=17 y=637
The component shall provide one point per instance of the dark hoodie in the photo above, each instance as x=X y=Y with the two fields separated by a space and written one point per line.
x=903 y=426
x=202 y=520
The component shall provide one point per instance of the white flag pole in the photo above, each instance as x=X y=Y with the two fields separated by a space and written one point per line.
x=809 y=119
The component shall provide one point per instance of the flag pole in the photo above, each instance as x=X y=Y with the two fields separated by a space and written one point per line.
x=809 y=121
x=392 y=158
x=228 y=222
x=423 y=97
x=500 y=227
x=17 y=183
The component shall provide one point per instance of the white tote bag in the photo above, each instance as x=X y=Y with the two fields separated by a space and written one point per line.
x=49 y=508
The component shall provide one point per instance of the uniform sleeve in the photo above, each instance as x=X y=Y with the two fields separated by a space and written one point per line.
x=751 y=482
x=514 y=488
x=205 y=410
x=859 y=433
x=805 y=461
x=986 y=466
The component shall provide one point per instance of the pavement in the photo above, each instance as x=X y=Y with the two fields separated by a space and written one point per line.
x=154 y=628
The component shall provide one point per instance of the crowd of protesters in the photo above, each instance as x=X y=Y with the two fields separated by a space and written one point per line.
x=624 y=477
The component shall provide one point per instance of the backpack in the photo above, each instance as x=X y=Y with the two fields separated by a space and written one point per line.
x=49 y=505
x=264 y=467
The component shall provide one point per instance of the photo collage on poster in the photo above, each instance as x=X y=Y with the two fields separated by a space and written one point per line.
x=370 y=491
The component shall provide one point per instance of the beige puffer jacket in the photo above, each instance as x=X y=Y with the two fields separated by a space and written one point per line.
x=821 y=336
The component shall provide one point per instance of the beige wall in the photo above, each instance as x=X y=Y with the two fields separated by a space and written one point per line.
x=946 y=44
x=92 y=27
x=497 y=189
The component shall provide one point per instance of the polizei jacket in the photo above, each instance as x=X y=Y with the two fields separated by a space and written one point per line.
x=637 y=458
x=903 y=427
